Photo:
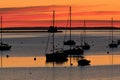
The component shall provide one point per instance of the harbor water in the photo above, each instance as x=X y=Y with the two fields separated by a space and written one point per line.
x=21 y=65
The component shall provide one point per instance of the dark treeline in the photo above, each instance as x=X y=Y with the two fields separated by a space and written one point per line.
x=59 y=28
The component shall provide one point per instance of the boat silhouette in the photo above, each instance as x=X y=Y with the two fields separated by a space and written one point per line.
x=55 y=56
x=3 y=46
x=52 y=29
x=74 y=50
x=118 y=42
x=77 y=50
x=113 y=43
x=84 y=44
x=70 y=41
x=83 y=62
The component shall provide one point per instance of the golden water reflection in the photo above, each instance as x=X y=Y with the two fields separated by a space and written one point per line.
x=41 y=61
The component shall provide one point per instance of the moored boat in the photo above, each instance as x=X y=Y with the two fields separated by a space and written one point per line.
x=83 y=62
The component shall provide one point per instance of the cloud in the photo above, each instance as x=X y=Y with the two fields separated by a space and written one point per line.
x=43 y=9
x=61 y=10
x=91 y=13
x=32 y=9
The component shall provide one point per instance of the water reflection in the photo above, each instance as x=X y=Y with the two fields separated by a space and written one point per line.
x=41 y=61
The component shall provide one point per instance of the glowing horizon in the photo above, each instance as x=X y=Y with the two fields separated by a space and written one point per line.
x=39 y=13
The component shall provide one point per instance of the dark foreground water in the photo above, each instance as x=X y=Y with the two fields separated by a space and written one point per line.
x=62 y=73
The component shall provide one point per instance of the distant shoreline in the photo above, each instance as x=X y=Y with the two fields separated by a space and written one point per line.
x=59 y=28
x=45 y=29
x=27 y=31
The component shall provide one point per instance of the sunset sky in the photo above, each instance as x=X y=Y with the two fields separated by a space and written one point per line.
x=30 y=13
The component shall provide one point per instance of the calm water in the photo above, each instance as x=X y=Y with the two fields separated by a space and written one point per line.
x=34 y=44
x=25 y=46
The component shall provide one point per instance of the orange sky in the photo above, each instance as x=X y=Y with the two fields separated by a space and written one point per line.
x=33 y=12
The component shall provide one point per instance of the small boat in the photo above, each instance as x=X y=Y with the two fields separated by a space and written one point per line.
x=77 y=50
x=84 y=44
x=3 y=46
x=83 y=62
x=57 y=56
x=113 y=44
x=70 y=42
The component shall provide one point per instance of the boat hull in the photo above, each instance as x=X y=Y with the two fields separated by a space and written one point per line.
x=113 y=45
x=5 y=47
x=83 y=62
x=75 y=51
x=56 y=57
x=85 y=47
x=69 y=42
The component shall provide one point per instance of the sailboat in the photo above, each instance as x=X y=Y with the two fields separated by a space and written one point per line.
x=70 y=41
x=84 y=44
x=55 y=56
x=3 y=46
x=113 y=44
x=74 y=50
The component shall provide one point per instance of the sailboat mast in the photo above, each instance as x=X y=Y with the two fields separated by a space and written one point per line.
x=70 y=25
x=84 y=31
x=53 y=29
x=70 y=22
x=1 y=29
x=112 y=28
x=70 y=33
